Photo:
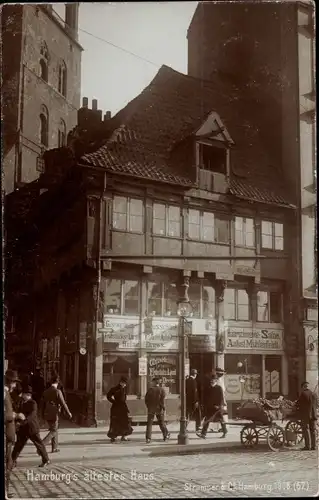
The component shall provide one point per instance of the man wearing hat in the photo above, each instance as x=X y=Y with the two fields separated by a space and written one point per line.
x=10 y=380
x=213 y=405
x=193 y=399
x=30 y=428
x=155 y=403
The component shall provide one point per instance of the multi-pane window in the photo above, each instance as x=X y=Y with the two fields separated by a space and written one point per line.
x=244 y=232
x=62 y=84
x=194 y=293
x=128 y=214
x=236 y=304
x=121 y=296
x=166 y=220
x=170 y=300
x=155 y=298
x=272 y=235
x=269 y=306
x=205 y=226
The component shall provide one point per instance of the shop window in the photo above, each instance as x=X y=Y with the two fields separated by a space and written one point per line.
x=236 y=304
x=208 y=300
x=131 y=294
x=165 y=367
x=205 y=226
x=117 y=365
x=272 y=236
x=155 y=299
x=269 y=306
x=83 y=360
x=272 y=376
x=244 y=232
x=251 y=363
x=170 y=300
x=112 y=295
x=166 y=220
x=69 y=371
x=128 y=214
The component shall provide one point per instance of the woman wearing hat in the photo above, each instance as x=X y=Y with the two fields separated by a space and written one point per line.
x=120 y=423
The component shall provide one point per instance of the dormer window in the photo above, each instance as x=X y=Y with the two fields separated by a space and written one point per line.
x=212 y=151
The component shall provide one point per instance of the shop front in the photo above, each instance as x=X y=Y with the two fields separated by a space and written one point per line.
x=255 y=363
x=143 y=348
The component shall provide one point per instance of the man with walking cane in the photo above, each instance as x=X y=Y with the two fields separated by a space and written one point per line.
x=193 y=409
x=213 y=406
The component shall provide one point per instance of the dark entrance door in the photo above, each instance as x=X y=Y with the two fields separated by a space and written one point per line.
x=204 y=364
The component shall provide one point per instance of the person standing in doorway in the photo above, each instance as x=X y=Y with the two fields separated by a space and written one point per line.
x=120 y=424
x=29 y=429
x=193 y=399
x=53 y=401
x=155 y=403
x=307 y=409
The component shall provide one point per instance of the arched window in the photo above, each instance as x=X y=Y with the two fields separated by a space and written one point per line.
x=44 y=62
x=44 y=126
x=62 y=134
x=62 y=78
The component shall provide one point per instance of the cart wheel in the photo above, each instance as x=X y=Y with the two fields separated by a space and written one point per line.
x=275 y=437
x=293 y=433
x=249 y=436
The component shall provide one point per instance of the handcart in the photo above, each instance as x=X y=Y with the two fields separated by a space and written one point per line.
x=293 y=428
x=263 y=426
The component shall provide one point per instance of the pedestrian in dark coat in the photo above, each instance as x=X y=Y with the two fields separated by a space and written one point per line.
x=214 y=401
x=10 y=380
x=155 y=403
x=52 y=402
x=29 y=429
x=192 y=399
x=307 y=410
x=120 y=424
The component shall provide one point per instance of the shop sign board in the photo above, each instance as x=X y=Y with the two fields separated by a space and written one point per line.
x=242 y=387
x=164 y=367
x=161 y=334
x=259 y=339
x=122 y=332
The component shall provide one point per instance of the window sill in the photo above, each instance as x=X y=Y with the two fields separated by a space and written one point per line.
x=208 y=242
x=126 y=231
x=179 y=238
x=271 y=249
x=246 y=246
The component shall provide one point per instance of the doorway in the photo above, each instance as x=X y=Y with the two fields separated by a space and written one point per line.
x=204 y=364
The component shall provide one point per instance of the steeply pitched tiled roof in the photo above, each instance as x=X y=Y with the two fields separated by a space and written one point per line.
x=246 y=191
x=152 y=126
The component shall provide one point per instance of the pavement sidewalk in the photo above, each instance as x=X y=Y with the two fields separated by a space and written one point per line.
x=81 y=443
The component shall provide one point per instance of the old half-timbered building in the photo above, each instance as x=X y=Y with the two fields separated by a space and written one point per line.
x=177 y=180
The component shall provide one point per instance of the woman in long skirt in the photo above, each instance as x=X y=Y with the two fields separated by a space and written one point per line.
x=120 y=423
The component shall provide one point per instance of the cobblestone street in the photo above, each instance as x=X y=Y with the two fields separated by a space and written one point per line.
x=241 y=473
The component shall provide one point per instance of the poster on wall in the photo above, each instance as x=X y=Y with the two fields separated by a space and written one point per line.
x=142 y=366
x=242 y=387
x=165 y=368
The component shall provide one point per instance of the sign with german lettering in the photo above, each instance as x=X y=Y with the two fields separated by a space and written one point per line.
x=259 y=339
x=142 y=366
x=202 y=343
x=161 y=334
x=165 y=368
x=122 y=333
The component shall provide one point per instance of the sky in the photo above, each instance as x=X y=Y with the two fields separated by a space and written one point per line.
x=155 y=31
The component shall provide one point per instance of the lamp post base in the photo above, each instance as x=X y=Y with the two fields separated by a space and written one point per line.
x=182 y=437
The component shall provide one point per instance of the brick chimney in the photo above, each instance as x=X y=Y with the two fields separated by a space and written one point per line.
x=89 y=118
x=72 y=19
x=107 y=116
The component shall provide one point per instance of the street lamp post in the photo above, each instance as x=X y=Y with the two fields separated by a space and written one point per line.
x=243 y=378
x=184 y=308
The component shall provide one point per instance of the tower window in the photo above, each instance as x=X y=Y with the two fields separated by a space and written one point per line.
x=62 y=134
x=44 y=62
x=44 y=126
x=62 y=86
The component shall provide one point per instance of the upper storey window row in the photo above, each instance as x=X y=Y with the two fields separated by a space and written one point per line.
x=168 y=221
